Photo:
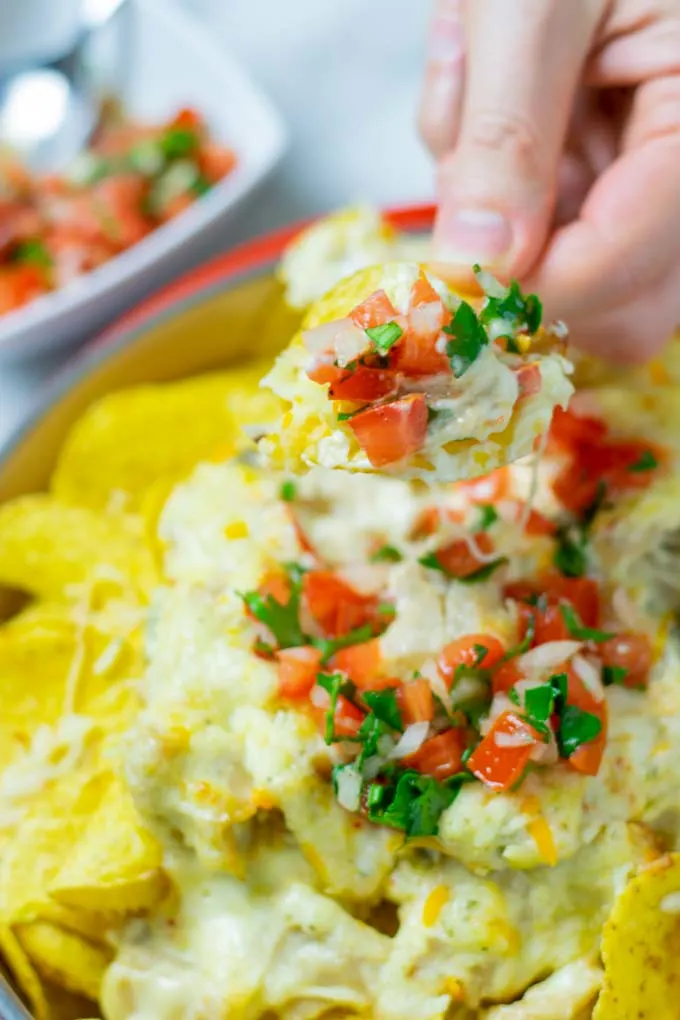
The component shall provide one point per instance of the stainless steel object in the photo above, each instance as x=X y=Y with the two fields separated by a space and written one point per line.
x=48 y=113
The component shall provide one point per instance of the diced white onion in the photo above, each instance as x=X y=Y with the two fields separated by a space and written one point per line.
x=479 y=554
x=372 y=766
x=411 y=739
x=349 y=343
x=522 y=686
x=498 y=328
x=501 y=703
x=385 y=745
x=489 y=284
x=441 y=343
x=521 y=738
x=319 y=697
x=428 y=669
x=545 y=754
x=426 y=319
x=367 y=578
x=320 y=340
x=625 y=609
x=349 y=788
x=558 y=329
x=547 y=656
x=670 y=904
x=590 y=674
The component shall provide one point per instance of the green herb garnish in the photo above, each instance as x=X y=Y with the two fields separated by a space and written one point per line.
x=578 y=630
x=383 y=704
x=469 y=337
x=385 y=336
x=329 y=646
x=520 y=311
x=334 y=684
x=386 y=554
x=282 y=619
x=614 y=675
x=32 y=253
x=413 y=803
x=432 y=563
x=571 y=553
x=647 y=462
x=576 y=728
x=177 y=143
x=488 y=515
x=288 y=491
x=346 y=415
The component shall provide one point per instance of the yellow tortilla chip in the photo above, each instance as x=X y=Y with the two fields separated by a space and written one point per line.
x=64 y=958
x=51 y=667
x=641 y=947
x=116 y=864
x=129 y=439
x=50 y=549
x=23 y=973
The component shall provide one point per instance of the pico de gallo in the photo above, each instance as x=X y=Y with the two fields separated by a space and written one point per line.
x=134 y=178
x=486 y=710
x=394 y=377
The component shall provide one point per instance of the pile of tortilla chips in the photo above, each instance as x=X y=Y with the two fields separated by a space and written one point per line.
x=75 y=858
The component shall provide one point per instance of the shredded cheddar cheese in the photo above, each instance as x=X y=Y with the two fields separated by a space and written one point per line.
x=435 y=902
x=541 y=833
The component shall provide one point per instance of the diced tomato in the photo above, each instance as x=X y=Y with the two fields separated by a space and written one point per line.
x=588 y=757
x=298 y=668
x=505 y=677
x=277 y=585
x=433 y=518
x=117 y=201
x=215 y=161
x=347 y=718
x=632 y=652
x=303 y=541
x=465 y=651
x=416 y=355
x=324 y=372
x=376 y=310
x=363 y=384
x=416 y=701
x=581 y=593
x=390 y=432
x=440 y=756
x=423 y=293
x=459 y=559
x=19 y=285
x=549 y=623
x=336 y=607
x=500 y=765
x=362 y=663
x=529 y=380
x=188 y=119
x=487 y=488
x=569 y=430
x=536 y=523
x=575 y=490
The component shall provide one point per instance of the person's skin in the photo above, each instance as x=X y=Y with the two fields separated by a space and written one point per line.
x=556 y=124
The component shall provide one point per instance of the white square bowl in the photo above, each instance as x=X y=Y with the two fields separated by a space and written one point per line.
x=172 y=61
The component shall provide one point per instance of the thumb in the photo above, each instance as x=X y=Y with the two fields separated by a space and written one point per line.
x=498 y=187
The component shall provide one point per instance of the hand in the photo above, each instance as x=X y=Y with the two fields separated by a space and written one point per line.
x=557 y=127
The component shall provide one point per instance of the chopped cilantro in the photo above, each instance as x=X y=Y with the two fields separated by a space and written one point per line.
x=335 y=684
x=647 y=462
x=520 y=311
x=539 y=703
x=578 y=630
x=178 y=142
x=32 y=253
x=383 y=337
x=525 y=644
x=513 y=696
x=591 y=511
x=614 y=675
x=488 y=515
x=288 y=491
x=386 y=554
x=282 y=620
x=474 y=709
x=469 y=337
x=386 y=609
x=576 y=727
x=486 y=570
x=201 y=186
x=571 y=553
x=480 y=651
x=383 y=704
x=371 y=731
x=414 y=803
x=329 y=646
x=560 y=684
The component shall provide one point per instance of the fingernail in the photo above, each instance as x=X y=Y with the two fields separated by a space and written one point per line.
x=474 y=235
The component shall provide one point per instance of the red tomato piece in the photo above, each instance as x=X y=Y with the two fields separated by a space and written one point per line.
x=347 y=718
x=117 y=203
x=388 y=433
x=487 y=488
x=188 y=119
x=376 y=310
x=569 y=430
x=588 y=757
x=632 y=652
x=459 y=558
x=433 y=518
x=215 y=161
x=439 y=756
x=416 y=701
x=537 y=523
x=499 y=760
x=423 y=293
x=575 y=490
x=324 y=372
x=298 y=668
x=277 y=585
x=362 y=663
x=465 y=651
x=529 y=380
x=336 y=607
x=416 y=355
x=505 y=677
x=363 y=384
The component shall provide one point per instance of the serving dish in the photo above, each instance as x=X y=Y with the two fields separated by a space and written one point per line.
x=159 y=38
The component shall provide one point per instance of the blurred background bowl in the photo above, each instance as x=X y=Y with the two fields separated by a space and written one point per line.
x=158 y=58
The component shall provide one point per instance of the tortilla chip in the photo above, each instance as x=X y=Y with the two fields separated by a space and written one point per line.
x=129 y=439
x=64 y=958
x=52 y=666
x=641 y=947
x=22 y=971
x=116 y=864
x=50 y=549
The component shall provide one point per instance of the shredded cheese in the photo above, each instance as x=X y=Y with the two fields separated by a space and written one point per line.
x=436 y=900
x=541 y=833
